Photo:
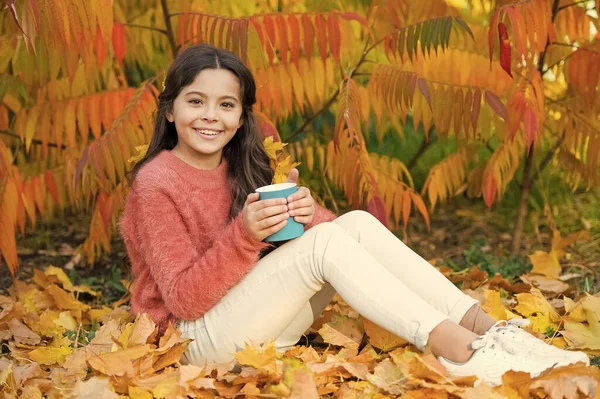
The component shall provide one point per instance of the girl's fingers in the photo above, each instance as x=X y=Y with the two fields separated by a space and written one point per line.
x=252 y=197
x=303 y=219
x=302 y=203
x=271 y=211
x=275 y=228
x=269 y=222
x=302 y=192
x=305 y=211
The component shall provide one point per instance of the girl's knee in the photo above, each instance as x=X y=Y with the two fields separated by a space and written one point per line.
x=328 y=229
x=356 y=219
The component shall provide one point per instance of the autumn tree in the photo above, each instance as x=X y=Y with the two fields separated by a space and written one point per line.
x=79 y=83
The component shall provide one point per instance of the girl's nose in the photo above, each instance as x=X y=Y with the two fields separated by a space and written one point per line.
x=210 y=115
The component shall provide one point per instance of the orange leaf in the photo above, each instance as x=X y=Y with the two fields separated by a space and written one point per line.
x=283 y=39
x=420 y=205
x=333 y=26
x=118 y=41
x=504 y=48
x=270 y=37
x=309 y=36
x=406 y=207
x=295 y=41
x=529 y=124
x=321 y=28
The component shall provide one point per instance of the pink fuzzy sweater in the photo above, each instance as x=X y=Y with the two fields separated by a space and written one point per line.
x=185 y=251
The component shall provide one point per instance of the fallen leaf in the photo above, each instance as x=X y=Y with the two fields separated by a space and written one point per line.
x=382 y=339
x=536 y=308
x=495 y=308
x=25 y=372
x=574 y=310
x=22 y=333
x=143 y=328
x=31 y=392
x=586 y=334
x=545 y=263
x=302 y=385
x=342 y=331
x=118 y=362
x=250 y=389
x=545 y=284
x=48 y=355
x=66 y=320
x=567 y=387
x=94 y=388
x=139 y=393
x=65 y=300
x=172 y=356
x=387 y=376
x=258 y=356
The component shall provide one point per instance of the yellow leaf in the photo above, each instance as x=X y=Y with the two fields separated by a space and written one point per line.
x=272 y=147
x=141 y=149
x=381 y=338
x=538 y=310
x=124 y=337
x=118 y=362
x=65 y=300
x=495 y=308
x=66 y=320
x=95 y=387
x=139 y=393
x=575 y=310
x=97 y=314
x=585 y=335
x=258 y=356
x=545 y=263
x=165 y=389
x=342 y=331
x=50 y=355
x=143 y=328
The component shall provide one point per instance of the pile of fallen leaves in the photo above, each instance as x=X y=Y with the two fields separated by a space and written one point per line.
x=55 y=345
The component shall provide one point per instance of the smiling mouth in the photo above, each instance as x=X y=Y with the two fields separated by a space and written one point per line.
x=209 y=132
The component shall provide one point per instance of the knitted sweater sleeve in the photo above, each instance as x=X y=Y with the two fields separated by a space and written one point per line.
x=190 y=282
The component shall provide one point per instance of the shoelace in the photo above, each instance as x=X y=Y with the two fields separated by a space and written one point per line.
x=513 y=325
x=492 y=338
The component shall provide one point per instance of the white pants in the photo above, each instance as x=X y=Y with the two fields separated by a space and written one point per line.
x=355 y=255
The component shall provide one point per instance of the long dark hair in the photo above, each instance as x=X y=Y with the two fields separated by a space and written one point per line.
x=248 y=162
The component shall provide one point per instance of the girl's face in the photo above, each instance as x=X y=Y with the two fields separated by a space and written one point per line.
x=207 y=114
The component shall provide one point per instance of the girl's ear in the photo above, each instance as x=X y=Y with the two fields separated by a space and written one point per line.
x=241 y=122
x=170 y=116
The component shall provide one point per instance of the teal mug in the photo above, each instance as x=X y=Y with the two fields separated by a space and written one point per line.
x=292 y=229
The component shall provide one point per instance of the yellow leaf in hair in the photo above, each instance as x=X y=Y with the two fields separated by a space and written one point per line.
x=271 y=147
x=141 y=149
x=283 y=169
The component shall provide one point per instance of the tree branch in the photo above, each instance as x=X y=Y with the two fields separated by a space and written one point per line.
x=424 y=145
x=547 y=159
x=571 y=5
x=337 y=92
x=169 y=31
x=313 y=117
x=34 y=141
x=164 y=32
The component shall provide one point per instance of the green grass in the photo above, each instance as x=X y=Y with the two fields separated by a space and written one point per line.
x=510 y=267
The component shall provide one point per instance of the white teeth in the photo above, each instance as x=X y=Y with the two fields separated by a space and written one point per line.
x=208 y=132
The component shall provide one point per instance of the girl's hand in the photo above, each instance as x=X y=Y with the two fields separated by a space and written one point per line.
x=263 y=218
x=301 y=206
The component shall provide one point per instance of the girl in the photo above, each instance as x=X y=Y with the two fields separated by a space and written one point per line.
x=194 y=231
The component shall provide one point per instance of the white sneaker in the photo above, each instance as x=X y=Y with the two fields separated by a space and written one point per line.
x=511 y=331
x=494 y=356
